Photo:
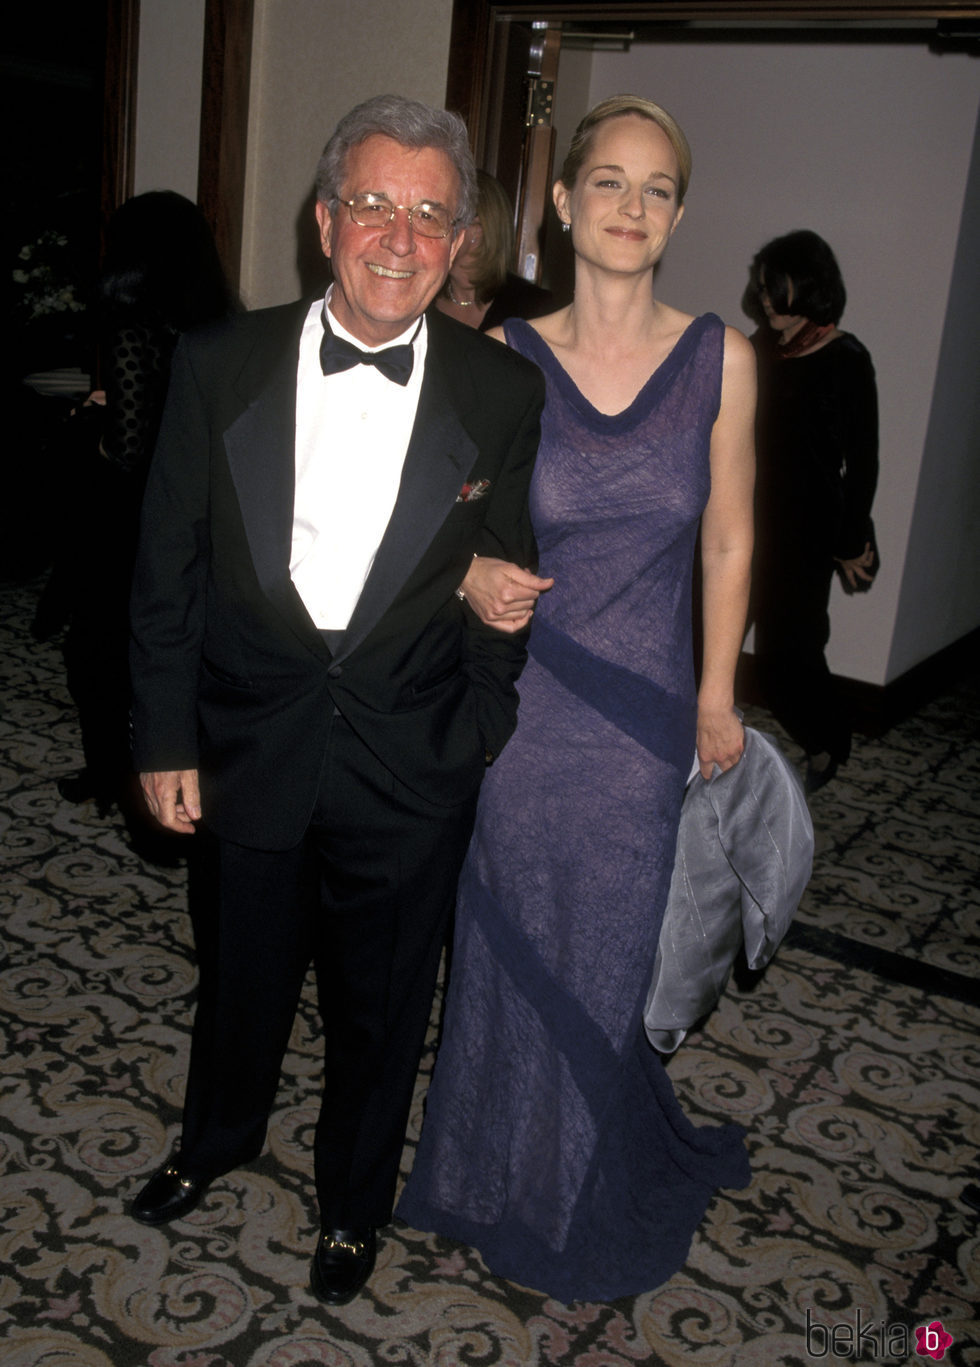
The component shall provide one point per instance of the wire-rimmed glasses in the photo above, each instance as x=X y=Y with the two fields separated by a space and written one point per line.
x=377 y=211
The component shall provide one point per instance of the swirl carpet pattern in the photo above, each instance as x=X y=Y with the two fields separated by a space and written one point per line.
x=853 y=1062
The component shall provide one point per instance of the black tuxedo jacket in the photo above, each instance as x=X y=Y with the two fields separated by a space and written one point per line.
x=230 y=675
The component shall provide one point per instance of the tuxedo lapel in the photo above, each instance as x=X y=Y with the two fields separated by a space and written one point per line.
x=440 y=454
x=260 y=446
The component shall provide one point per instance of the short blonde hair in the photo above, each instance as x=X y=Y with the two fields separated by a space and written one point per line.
x=616 y=106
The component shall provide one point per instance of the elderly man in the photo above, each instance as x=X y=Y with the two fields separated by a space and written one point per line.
x=309 y=687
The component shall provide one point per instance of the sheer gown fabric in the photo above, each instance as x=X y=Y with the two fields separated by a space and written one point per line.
x=552 y=1140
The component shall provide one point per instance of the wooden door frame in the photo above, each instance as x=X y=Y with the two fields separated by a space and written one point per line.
x=225 y=82
x=474 y=24
x=225 y=77
x=122 y=21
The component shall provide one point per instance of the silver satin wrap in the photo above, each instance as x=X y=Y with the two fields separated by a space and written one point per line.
x=744 y=856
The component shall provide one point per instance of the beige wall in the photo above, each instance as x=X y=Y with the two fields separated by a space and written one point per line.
x=941 y=572
x=870 y=145
x=168 y=96
x=313 y=60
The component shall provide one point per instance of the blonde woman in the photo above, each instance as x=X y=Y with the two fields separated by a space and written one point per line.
x=552 y=1140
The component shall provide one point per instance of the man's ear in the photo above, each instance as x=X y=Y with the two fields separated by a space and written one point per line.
x=456 y=243
x=325 y=219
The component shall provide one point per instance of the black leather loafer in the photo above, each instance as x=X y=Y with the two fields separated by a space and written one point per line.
x=342 y=1263
x=168 y=1195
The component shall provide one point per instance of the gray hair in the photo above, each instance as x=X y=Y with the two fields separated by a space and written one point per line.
x=412 y=124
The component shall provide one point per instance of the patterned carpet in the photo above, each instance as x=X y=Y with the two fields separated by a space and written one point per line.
x=853 y=1062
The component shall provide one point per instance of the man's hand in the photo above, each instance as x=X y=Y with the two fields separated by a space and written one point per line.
x=501 y=594
x=174 y=798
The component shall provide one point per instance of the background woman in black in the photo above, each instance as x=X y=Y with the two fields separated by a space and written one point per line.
x=481 y=290
x=161 y=276
x=817 y=471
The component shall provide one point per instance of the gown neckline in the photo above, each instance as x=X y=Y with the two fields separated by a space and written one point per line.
x=646 y=396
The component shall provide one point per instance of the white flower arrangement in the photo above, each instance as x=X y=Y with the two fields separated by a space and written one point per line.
x=46 y=287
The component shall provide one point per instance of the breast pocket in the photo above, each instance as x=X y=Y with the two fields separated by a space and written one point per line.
x=220 y=678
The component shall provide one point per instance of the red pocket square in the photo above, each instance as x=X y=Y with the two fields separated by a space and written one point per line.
x=469 y=492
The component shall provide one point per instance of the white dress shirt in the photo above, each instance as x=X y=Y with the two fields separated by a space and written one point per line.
x=352 y=433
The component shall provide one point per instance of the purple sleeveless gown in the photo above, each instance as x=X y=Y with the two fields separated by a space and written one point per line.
x=552 y=1140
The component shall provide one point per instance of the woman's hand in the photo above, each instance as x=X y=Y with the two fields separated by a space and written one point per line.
x=853 y=570
x=501 y=594
x=721 y=740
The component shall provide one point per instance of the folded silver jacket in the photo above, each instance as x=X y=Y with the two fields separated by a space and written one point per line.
x=744 y=857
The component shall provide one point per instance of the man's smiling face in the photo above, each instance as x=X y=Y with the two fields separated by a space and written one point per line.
x=384 y=278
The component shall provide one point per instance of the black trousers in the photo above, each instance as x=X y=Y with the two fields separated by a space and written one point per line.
x=367 y=898
x=97 y=565
x=792 y=627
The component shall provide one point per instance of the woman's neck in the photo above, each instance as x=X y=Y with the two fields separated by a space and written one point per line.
x=459 y=299
x=612 y=337
x=460 y=291
x=787 y=334
x=806 y=338
x=613 y=314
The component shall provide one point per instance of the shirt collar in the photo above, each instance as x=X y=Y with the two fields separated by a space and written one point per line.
x=413 y=333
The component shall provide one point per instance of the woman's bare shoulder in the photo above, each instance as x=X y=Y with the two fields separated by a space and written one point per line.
x=552 y=327
x=739 y=351
x=673 y=320
x=549 y=328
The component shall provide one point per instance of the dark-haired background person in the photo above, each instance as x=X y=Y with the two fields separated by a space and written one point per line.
x=481 y=290
x=307 y=684
x=817 y=444
x=161 y=276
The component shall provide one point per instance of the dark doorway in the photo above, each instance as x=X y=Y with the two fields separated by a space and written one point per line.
x=52 y=118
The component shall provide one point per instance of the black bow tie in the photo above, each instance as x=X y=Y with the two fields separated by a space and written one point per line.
x=336 y=354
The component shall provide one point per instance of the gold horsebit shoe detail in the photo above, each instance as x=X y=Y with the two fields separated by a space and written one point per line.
x=357 y=1250
x=185 y=1182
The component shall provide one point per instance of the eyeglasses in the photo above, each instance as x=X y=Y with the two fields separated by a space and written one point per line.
x=377 y=211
